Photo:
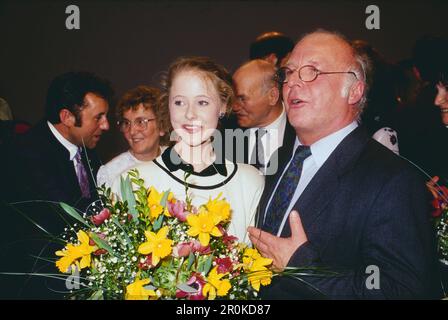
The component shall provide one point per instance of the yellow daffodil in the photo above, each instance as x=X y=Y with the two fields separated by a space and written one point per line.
x=255 y=265
x=204 y=225
x=154 y=199
x=157 y=244
x=220 y=208
x=136 y=290
x=76 y=254
x=215 y=286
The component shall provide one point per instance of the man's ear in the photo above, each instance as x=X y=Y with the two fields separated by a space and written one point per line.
x=274 y=95
x=271 y=58
x=67 y=118
x=356 y=92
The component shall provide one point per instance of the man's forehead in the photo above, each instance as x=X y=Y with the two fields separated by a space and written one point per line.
x=248 y=78
x=320 y=50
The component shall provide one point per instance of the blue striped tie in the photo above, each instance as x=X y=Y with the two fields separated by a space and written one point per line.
x=285 y=190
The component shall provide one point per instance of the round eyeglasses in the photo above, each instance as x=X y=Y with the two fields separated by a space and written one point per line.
x=306 y=73
x=139 y=123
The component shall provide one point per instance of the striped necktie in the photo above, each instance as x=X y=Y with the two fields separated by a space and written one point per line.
x=285 y=190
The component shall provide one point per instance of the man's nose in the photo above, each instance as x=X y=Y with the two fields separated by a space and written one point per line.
x=104 y=124
x=441 y=95
x=237 y=105
x=294 y=79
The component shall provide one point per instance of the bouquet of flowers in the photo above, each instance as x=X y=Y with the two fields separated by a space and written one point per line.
x=440 y=215
x=149 y=245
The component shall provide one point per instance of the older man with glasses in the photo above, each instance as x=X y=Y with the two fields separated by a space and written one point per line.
x=143 y=124
x=340 y=201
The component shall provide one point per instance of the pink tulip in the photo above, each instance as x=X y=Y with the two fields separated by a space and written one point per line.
x=176 y=209
x=182 y=249
x=101 y=217
x=197 y=247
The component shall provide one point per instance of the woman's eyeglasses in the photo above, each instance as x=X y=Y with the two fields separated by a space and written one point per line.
x=139 y=123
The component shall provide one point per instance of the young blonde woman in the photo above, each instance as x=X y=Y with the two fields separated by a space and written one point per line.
x=197 y=92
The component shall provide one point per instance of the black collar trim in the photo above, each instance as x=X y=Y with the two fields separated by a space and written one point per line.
x=194 y=186
x=211 y=170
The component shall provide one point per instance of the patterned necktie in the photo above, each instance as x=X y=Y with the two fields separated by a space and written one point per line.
x=257 y=158
x=285 y=190
x=81 y=173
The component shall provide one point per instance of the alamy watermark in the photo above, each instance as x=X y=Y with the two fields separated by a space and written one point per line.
x=73 y=21
x=373 y=280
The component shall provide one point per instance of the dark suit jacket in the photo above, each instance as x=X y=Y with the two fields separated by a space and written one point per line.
x=37 y=167
x=42 y=169
x=241 y=150
x=365 y=206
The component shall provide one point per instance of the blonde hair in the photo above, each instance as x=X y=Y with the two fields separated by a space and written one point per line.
x=219 y=77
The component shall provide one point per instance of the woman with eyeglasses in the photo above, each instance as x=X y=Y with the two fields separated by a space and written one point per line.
x=198 y=92
x=143 y=124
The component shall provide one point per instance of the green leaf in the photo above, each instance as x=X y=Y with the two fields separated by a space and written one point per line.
x=164 y=198
x=101 y=243
x=158 y=223
x=128 y=196
x=149 y=287
x=191 y=259
x=208 y=264
x=97 y=295
x=186 y=288
x=72 y=212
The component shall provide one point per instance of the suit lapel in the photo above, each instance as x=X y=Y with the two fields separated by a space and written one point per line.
x=322 y=189
x=64 y=167
x=284 y=154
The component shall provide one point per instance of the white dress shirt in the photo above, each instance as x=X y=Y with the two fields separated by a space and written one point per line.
x=272 y=140
x=320 y=151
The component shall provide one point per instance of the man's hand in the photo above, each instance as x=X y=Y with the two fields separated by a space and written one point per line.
x=279 y=249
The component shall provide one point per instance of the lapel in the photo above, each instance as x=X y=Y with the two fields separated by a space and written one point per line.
x=322 y=189
x=283 y=155
x=63 y=167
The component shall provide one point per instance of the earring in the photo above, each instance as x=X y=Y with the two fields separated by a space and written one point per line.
x=221 y=115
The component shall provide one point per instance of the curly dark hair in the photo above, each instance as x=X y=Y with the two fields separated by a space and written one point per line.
x=149 y=98
x=218 y=75
x=68 y=90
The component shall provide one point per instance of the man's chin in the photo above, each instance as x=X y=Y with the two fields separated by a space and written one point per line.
x=91 y=144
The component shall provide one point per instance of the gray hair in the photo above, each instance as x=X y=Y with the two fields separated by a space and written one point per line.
x=361 y=66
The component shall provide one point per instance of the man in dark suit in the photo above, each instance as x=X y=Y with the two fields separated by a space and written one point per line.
x=56 y=159
x=261 y=116
x=54 y=162
x=341 y=201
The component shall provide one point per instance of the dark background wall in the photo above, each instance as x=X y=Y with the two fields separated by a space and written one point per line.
x=131 y=42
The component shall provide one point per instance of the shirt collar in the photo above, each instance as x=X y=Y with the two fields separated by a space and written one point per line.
x=321 y=149
x=277 y=122
x=176 y=162
x=72 y=148
x=275 y=125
